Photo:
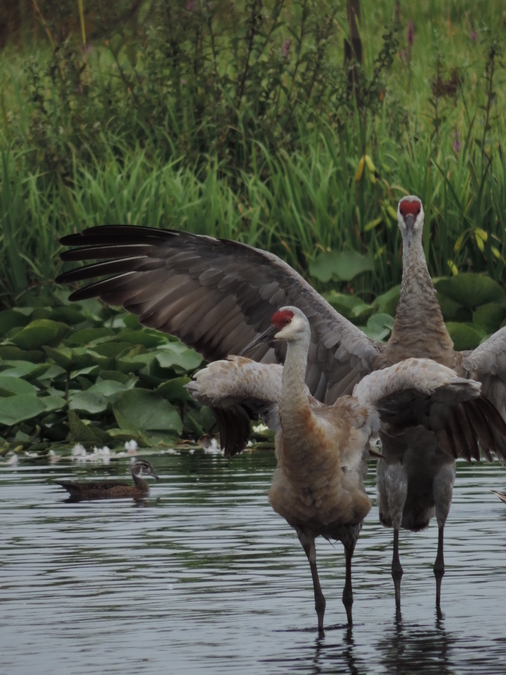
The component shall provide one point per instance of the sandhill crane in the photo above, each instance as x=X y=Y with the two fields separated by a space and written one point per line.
x=217 y=295
x=321 y=450
x=112 y=489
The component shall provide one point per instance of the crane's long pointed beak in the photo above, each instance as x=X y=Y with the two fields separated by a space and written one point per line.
x=266 y=336
x=410 y=224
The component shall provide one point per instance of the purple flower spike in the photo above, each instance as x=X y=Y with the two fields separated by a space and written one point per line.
x=457 y=145
x=190 y=5
x=411 y=33
x=474 y=35
x=285 y=47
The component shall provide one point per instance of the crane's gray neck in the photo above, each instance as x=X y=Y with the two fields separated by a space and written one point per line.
x=294 y=390
x=419 y=329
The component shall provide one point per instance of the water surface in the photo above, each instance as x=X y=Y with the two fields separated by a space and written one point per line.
x=203 y=577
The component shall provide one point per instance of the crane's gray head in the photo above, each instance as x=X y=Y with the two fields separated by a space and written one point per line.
x=410 y=216
x=288 y=323
x=142 y=467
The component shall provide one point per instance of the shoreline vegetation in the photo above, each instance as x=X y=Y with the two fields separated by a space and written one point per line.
x=242 y=121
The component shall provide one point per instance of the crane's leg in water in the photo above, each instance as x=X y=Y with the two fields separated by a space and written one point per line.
x=319 y=601
x=348 y=590
x=397 y=570
x=443 y=492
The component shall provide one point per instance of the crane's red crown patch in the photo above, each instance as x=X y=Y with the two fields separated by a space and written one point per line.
x=281 y=318
x=408 y=207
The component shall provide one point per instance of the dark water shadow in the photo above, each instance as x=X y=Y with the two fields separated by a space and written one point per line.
x=413 y=648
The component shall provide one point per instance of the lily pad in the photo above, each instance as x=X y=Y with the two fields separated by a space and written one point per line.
x=87 y=335
x=37 y=333
x=341 y=266
x=379 y=326
x=25 y=369
x=489 y=317
x=16 y=385
x=347 y=305
x=175 y=390
x=15 y=409
x=11 y=318
x=53 y=402
x=387 y=302
x=464 y=336
x=11 y=353
x=88 y=401
x=470 y=290
x=177 y=354
x=146 y=410
x=84 y=433
x=141 y=337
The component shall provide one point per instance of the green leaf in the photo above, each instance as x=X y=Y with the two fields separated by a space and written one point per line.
x=489 y=317
x=118 y=377
x=111 y=349
x=147 y=411
x=68 y=315
x=25 y=369
x=174 y=390
x=177 y=354
x=464 y=336
x=82 y=433
x=63 y=357
x=87 y=335
x=142 y=337
x=347 y=305
x=11 y=353
x=12 y=318
x=470 y=290
x=37 y=333
x=16 y=385
x=387 y=302
x=53 y=402
x=342 y=266
x=379 y=326
x=88 y=401
x=15 y=409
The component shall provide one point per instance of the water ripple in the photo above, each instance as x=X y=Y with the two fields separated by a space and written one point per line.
x=204 y=577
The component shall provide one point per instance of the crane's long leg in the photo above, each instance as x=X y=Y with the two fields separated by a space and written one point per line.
x=348 y=590
x=443 y=491
x=319 y=600
x=439 y=567
x=397 y=570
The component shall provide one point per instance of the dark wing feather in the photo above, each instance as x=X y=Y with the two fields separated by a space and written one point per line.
x=216 y=296
x=487 y=364
x=464 y=428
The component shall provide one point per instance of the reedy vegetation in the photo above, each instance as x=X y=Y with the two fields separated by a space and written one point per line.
x=236 y=120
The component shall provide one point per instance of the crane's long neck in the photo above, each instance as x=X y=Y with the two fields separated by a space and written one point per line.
x=419 y=329
x=294 y=394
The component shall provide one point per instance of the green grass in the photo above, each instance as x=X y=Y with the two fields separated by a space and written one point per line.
x=120 y=141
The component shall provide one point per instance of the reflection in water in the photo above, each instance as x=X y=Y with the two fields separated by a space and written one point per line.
x=413 y=648
x=204 y=578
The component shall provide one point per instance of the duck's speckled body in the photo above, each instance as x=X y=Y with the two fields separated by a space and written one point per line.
x=112 y=489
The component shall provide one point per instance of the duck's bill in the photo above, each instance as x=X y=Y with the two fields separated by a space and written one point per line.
x=265 y=337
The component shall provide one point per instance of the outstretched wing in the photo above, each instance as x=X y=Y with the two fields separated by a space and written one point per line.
x=423 y=392
x=238 y=390
x=487 y=364
x=216 y=296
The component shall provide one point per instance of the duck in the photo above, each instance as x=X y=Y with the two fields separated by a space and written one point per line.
x=112 y=489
